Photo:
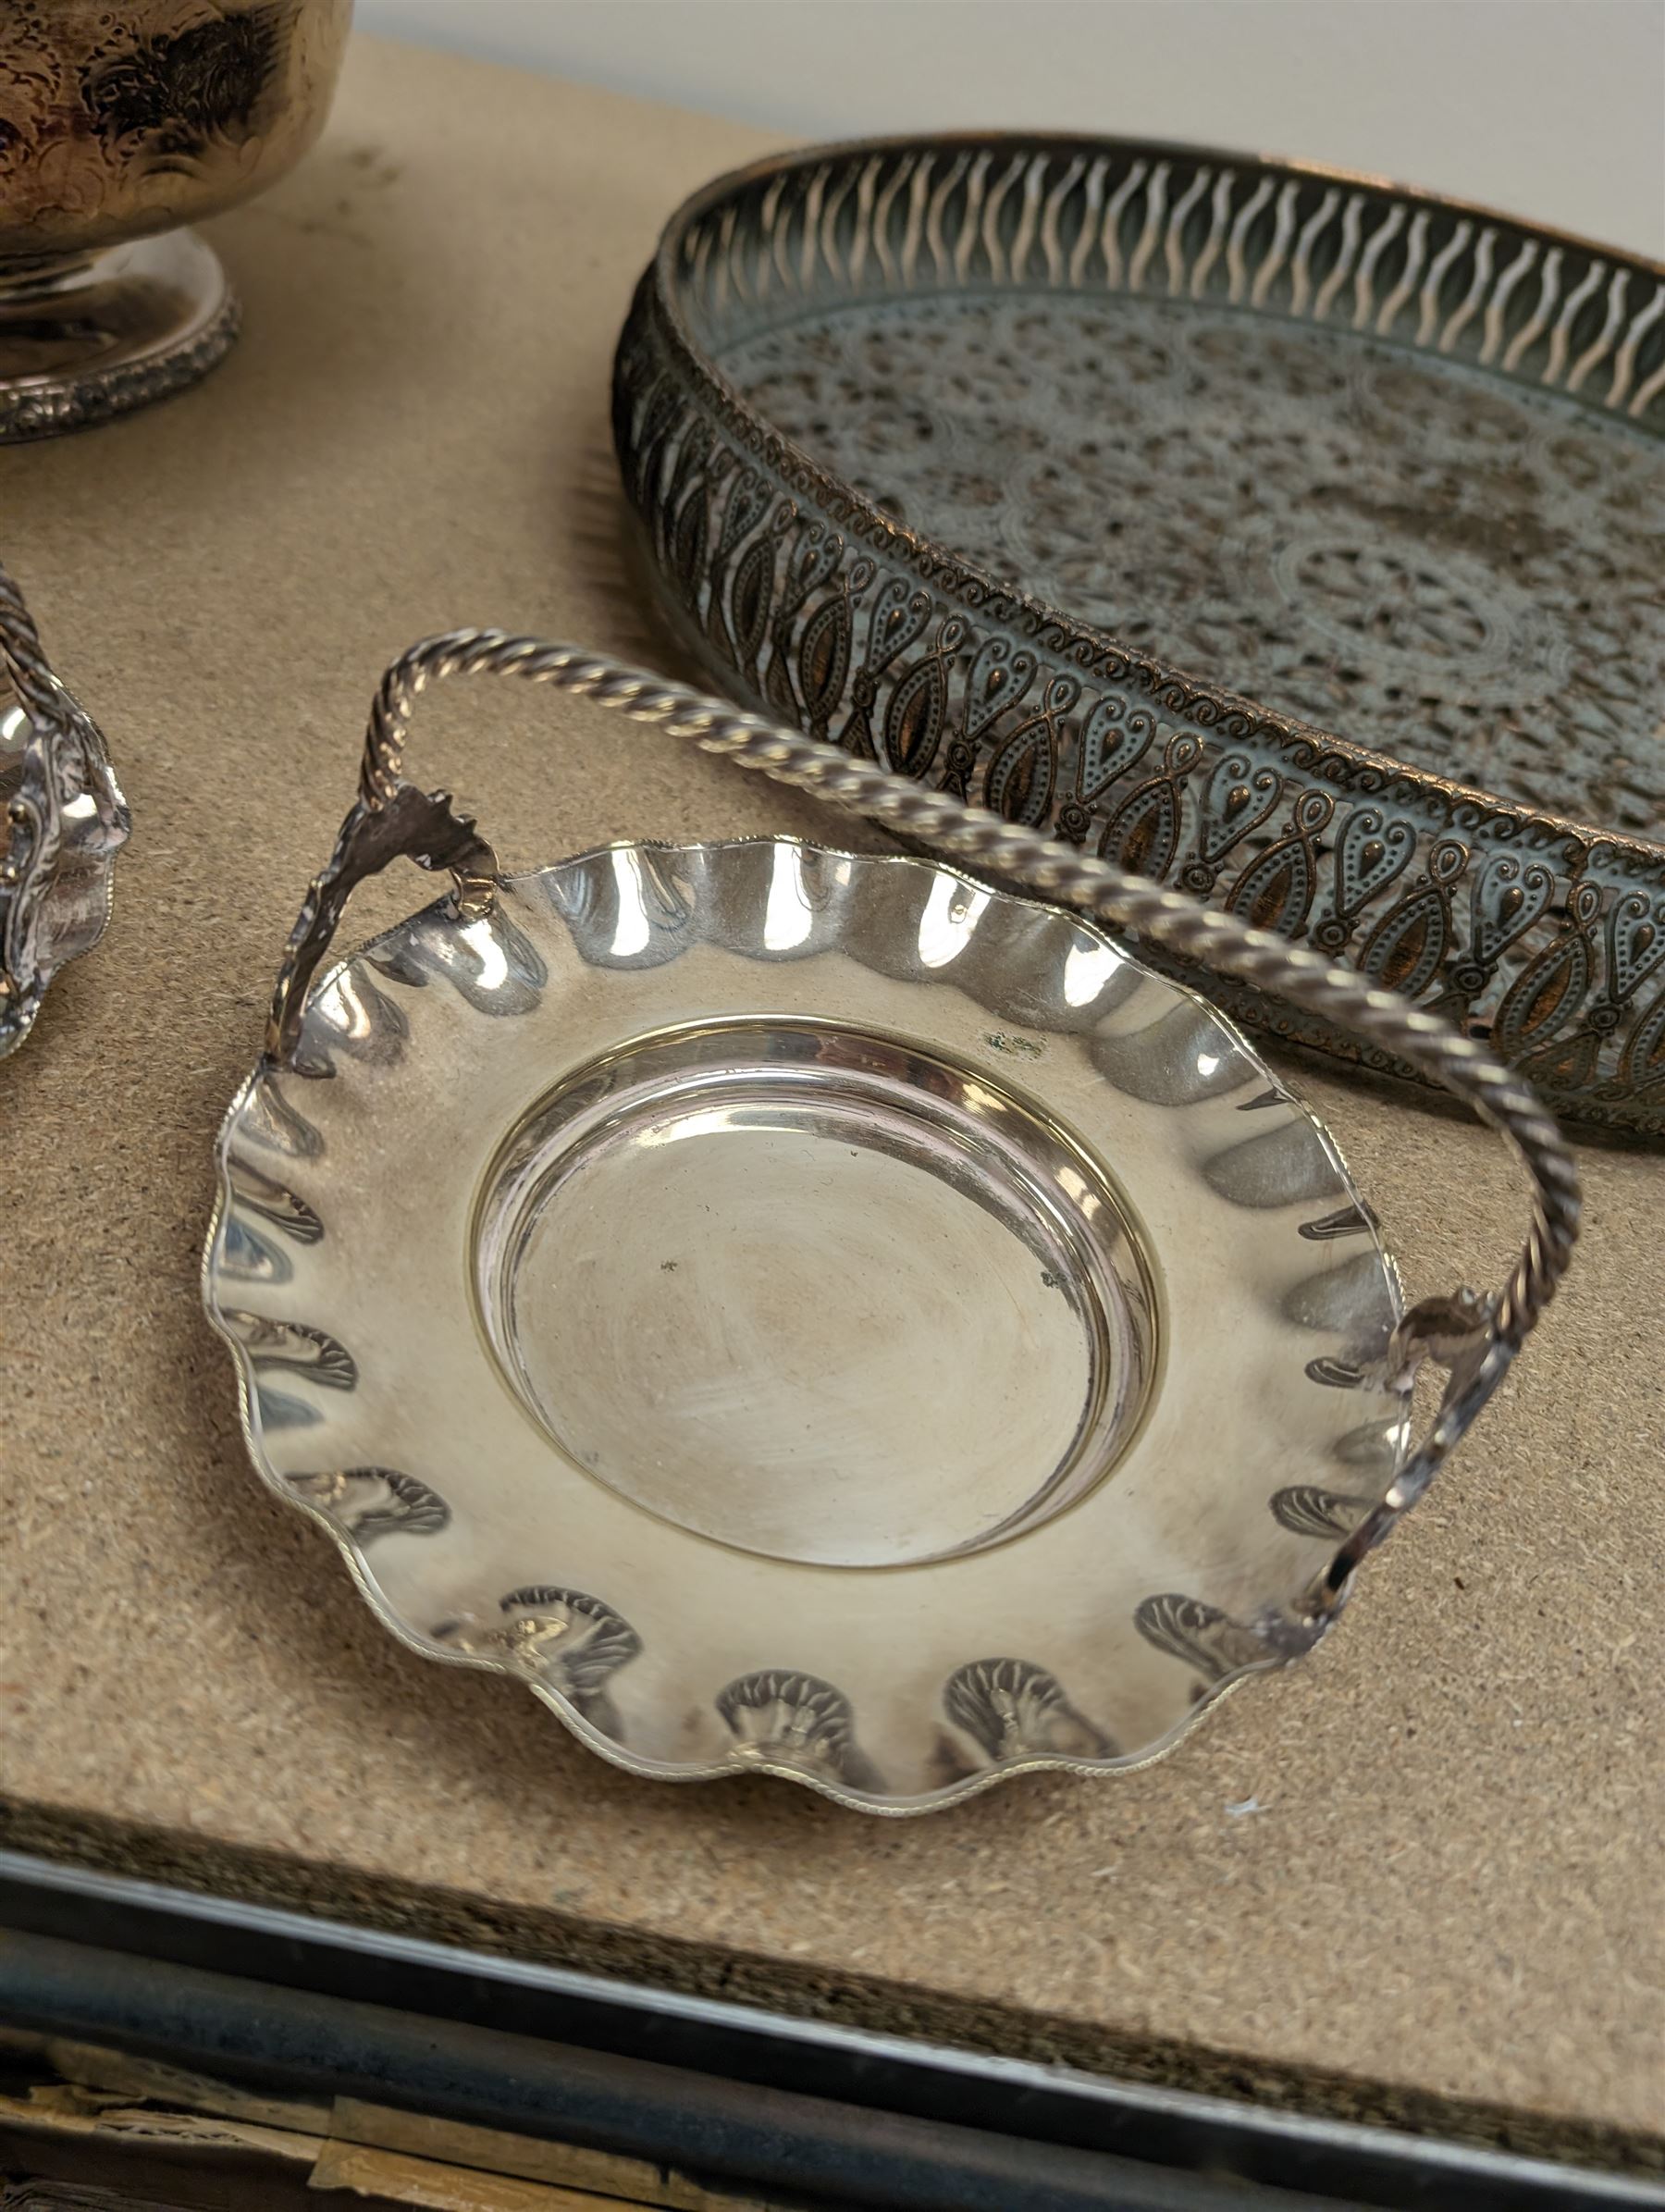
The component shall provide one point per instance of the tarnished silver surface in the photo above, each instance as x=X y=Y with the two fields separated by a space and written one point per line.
x=119 y=122
x=1284 y=535
x=66 y=820
x=818 y=1314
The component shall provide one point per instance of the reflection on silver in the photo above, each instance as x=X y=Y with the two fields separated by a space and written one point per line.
x=1336 y=1374
x=567 y=1642
x=789 y=917
x=1203 y=1637
x=633 y=932
x=952 y=912
x=1088 y=966
x=64 y=822
x=1308 y=1510
x=291 y=1345
x=778 y=1718
x=1346 y=1221
x=270 y=1202
x=481 y=940
x=1015 y=1710
x=374 y=1502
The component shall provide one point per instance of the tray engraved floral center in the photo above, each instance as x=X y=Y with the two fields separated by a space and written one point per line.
x=1371 y=540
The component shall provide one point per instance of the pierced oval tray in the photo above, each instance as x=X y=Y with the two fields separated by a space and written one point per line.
x=1283 y=534
x=818 y=1314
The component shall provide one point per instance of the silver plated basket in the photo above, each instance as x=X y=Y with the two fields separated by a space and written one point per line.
x=66 y=820
x=1283 y=534
x=814 y=1313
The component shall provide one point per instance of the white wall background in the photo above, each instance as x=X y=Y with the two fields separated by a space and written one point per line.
x=1548 y=108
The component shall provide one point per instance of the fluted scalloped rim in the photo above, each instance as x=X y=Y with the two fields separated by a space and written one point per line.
x=733 y=1762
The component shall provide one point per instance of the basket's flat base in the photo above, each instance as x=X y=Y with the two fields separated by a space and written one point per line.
x=717 y=1268
x=84 y=340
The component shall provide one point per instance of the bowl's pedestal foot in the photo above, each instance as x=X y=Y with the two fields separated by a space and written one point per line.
x=90 y=335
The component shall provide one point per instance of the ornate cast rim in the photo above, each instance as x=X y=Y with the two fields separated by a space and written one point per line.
x=38 y=407
x=1547 y=935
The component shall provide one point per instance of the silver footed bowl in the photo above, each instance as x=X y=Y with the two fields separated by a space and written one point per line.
x=121 y=122
x=817 y=1314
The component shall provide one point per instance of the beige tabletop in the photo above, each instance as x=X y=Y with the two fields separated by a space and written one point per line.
x=1417 y=1875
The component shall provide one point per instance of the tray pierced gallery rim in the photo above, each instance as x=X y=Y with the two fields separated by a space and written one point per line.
x=618 y=970
x=1518 y=923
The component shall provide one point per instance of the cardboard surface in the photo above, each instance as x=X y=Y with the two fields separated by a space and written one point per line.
x=1415 y=1875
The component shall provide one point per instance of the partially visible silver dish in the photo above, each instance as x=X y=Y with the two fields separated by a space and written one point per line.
x=66 y=819
x=813 y=1314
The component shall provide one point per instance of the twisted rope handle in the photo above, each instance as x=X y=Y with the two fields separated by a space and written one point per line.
x=1474 y=1338
x=24 y=661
